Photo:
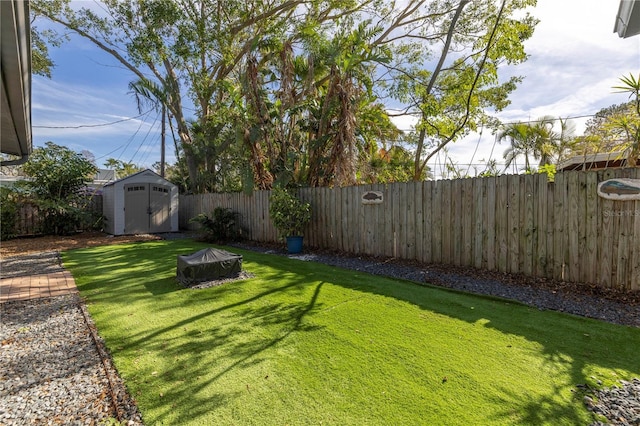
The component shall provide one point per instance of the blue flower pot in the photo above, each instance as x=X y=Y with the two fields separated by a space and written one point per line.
x=294 y=244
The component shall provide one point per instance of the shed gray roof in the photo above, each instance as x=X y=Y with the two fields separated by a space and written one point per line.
x=137 y=174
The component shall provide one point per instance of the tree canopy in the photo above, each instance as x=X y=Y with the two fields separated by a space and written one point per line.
x=57 y=172
x=58 y=178
x=615 y=128
x=298 y=91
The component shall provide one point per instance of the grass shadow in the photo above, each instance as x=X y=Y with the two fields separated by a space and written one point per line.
x=581 y=347
x=194 y=339
x=142 y=275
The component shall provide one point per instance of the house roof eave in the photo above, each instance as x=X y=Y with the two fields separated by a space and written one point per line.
x=628 y=19
x=16 y=79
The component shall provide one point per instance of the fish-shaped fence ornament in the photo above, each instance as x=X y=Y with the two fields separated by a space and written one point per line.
x=620 y=189
x=372 y=197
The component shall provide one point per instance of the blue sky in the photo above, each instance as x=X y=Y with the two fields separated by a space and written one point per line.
x=575 y=59
x=89 y=90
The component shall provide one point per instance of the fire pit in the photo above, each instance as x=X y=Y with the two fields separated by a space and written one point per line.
x=207 y=265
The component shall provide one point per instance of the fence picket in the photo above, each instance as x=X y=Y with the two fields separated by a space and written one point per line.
x=467 y=210
x=574 y=210
x=541 y=208
x=479 y=212
x=514 y=225
x=489 y=210
x=559 y=227
x=418 y=190
x=590 y=254
x=634 y=281
x=427 y=228
x=456 y=242
x=436 y=218
x=502 y=215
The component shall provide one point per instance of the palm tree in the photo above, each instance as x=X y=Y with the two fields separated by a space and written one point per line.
x=522 y=138
x=630 y=124
x=543 y=139
x=562 y=143
x=148 y=92
x=537 y=140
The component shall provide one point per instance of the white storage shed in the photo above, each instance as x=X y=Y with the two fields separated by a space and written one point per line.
x=142 y=203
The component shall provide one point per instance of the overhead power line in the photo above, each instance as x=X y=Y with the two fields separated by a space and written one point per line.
x=93 y=125
x=540 y=120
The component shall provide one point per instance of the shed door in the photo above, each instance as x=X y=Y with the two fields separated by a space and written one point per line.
x=136 y=204
x=147 y=208
x=160 y=208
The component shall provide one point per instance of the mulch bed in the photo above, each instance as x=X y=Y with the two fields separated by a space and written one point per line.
x=38 y=244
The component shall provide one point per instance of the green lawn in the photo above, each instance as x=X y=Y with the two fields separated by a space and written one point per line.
x=304 y=343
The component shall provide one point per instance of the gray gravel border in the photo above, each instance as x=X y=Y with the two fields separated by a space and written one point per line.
x=55 y=369
x=47 y=262
x=52 y=369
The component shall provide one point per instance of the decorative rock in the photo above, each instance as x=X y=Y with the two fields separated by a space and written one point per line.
x=52 y=371
x=619 y=405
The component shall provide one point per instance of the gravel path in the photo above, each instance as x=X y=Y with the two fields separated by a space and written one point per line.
x=54 y=367
x=55 y=370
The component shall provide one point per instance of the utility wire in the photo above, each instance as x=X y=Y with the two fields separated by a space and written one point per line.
x=475 y=151
x=132 y=137
x=92 y=125
x=144 y=139
x=530 y=121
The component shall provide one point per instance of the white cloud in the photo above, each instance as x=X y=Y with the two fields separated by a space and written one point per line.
x=403 y=122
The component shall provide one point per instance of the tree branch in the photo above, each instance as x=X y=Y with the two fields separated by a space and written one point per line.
x=475 y=82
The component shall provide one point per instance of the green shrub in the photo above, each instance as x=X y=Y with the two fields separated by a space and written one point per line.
x=289 y=214
x=220 y=227
x=59 y=218
x=8 y=213
x=550 y=170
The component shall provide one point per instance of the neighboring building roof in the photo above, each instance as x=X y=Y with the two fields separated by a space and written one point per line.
x=628 y=19
x=101 y=178
x=15 y=67
x=104 y=176
x=594 y=161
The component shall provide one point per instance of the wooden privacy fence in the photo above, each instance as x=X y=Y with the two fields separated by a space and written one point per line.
x=29 y=218
x=514 y=223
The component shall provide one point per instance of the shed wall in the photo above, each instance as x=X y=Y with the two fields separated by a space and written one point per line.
x=108 y=208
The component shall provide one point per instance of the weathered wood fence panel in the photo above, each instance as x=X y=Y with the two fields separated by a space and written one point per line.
x=29 y=218
x=518 y=224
